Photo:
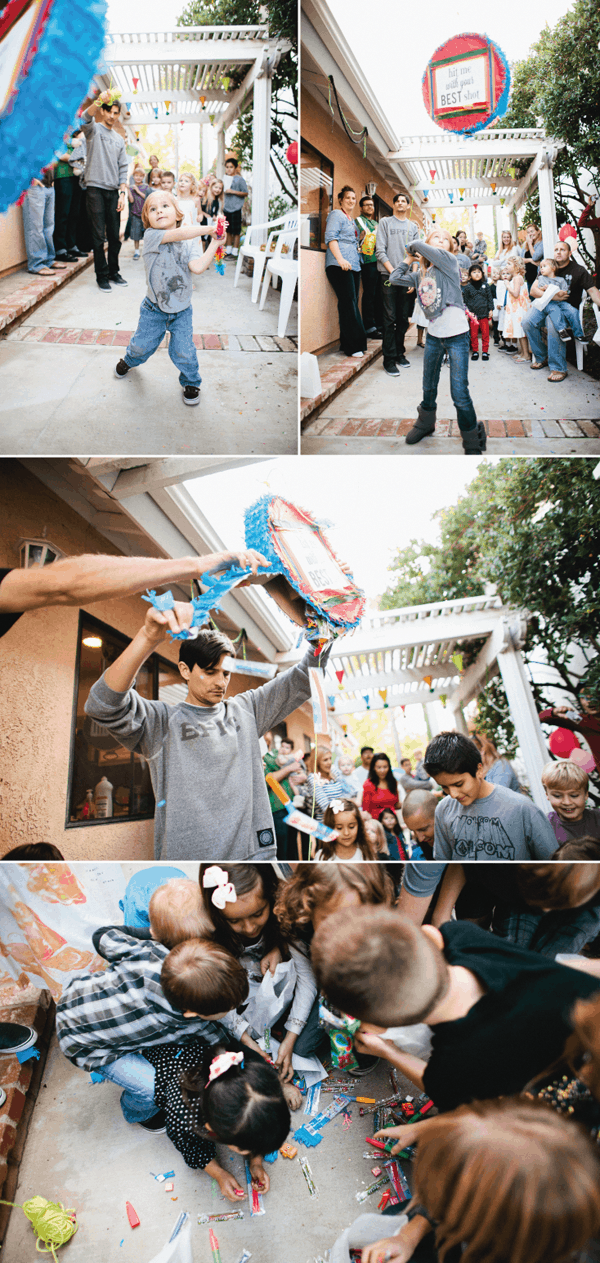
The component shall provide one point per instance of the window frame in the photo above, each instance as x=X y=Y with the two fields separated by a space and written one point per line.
x=320 y=249
x=153 y=663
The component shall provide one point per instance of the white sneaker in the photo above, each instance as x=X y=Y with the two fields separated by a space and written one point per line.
x=235 y=252
x=357 y=355
x=136 y=254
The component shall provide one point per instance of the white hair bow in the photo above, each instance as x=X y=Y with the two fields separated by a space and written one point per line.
x=337 y=804
x=224 y=891
x=223 y=1062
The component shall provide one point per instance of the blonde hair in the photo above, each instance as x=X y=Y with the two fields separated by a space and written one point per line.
x=156 y=172
x=564 y=775
x=517 y=263
x=146 y=207
x=176 y=912
x=508 y=1180
x=187 y=175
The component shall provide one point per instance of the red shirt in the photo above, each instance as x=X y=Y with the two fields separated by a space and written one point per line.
x=376 y=800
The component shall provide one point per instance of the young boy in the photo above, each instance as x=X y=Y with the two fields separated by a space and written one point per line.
x=171 y=253
x=479 y=303
x=235 y=196
x=479 y=820
x=167 y=182
x=563 y=315
x=147 y=996
x=566 y=786
x=204 y=753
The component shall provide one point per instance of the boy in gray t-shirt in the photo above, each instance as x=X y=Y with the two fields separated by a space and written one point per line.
x=479 y=820
x=171 y=253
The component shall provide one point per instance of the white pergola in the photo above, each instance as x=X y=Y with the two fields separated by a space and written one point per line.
x=481 y=170
x=399 y=650
x=183 y=77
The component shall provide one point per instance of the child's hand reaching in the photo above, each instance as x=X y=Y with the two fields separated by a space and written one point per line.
x=260 y=1179
x=373 y=1045
x=226 y=1181
x=408 y=1134
x=393 y=1249
x=284 y=1057
x=271 y=961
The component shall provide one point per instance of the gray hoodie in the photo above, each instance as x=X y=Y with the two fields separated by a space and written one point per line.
x=392 y=237
x=205 y=764
x=106 y=159
x=439 y=288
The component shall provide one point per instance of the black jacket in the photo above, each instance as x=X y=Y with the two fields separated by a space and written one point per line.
x=478 y=299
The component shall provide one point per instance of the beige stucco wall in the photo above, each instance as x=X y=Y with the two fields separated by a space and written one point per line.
x=318 y=304
x=37 y=673
x=12 y=241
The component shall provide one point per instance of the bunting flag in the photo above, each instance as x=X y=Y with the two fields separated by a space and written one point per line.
x=383 y=694
x=319 y=701
x=339 y=676
x=427 y=680
x=457 y=659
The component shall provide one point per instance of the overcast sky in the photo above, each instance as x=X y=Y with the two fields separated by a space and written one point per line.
x=376 y=504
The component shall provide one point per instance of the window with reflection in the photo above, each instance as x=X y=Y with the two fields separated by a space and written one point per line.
x=316 y=196
x=108 y=782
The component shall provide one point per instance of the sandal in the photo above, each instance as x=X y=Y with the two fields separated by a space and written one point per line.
x=57 y=267
x=557 y=377
x=544 y=364
x=522 y=359
x=42 y=272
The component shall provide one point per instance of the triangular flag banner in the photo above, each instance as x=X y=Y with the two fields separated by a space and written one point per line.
x=443 y=698
x=339 y=676
x=457 y=659
x=367 y=700
x=403 y=709
x=383 y=694
x=427 y=680
x=331 y=699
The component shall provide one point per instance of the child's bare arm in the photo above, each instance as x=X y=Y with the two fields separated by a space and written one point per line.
x=130 y=195
x=200 y=265
x=186 y=233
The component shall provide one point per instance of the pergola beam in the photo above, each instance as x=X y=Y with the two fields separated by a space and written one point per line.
x=237 y=98
x=467 y=182
x=188 y=53
x=177 y=95
x=434 y=150
x=144 y=120
x=422 y=698
x=387 y=679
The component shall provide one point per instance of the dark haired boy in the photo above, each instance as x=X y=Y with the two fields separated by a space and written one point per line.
x=167 y=181
x=203 y=753
x=106 y=184
x=479 y=820
x=394 y=233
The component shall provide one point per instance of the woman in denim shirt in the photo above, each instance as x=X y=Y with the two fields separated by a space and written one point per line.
x=342 y=268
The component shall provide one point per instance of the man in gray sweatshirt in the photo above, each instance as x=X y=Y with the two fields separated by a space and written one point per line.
x=203 y=754
x=393 y=234
x=106 y=185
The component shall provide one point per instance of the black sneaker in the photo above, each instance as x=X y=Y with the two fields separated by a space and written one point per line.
x=104 y=285
x=121 y=369
x=191 y=395
x=371 y=333
x=485 y=356
x=15 y=1038
x=70 y=257
x=402 y=360
x=392 y=371
x=157 y=1124
x=510 y=350
x=117 y=279
x=80 y=254
x=475 y=355
x=565 y=334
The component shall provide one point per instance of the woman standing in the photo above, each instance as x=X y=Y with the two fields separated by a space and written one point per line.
x=342 y=268
x=496 y=769
x=532 y=252
x=508 y=249
x=380 y=789
x=322 y=786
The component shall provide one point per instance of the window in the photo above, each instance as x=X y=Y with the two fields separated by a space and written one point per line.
x=316 y=194
x=96 y=755
x=381 y=208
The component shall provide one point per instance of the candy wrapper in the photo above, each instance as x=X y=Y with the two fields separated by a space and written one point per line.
x=222 y=1218
x=308 y=1176
x=299 y=820
x=341 y=1030
x=254 y=1197
x=222 y=226
x=366 y=1192
x=398 y=1179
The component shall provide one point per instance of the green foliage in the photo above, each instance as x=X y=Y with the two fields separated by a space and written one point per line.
x=493 y=720
x=550 y=567
x=558 y=87
x=282 y=19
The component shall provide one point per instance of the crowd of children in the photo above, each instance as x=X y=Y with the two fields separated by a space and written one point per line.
x=210 y=993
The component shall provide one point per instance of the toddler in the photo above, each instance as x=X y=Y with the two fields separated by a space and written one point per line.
x=495 y=307
x=187 y=198
x=566 y=786
x=170 y=256
x=480 y=248
x=137 y=194
x=518 y=304
x=563 y=315
x=478 y=300
x=167 y=182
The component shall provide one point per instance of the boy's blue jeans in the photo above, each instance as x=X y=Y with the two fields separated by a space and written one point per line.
x=458 y=355
x=152 y=326
x=562 y=314
x=136 y=1076
x=38 y=227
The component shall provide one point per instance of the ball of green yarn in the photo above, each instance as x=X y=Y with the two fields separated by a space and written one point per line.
x=51 y=1223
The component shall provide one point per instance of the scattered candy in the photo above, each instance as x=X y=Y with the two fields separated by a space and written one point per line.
x=398 y=1179
x=288 y=1151
x=222 y=1218
x=214 y=1245
x=366 y=1192
x=308 y=1176
x=245 y=1256
x=169 y=1187
x=254 y=1197
x=132 y=1215
x=376 y=1170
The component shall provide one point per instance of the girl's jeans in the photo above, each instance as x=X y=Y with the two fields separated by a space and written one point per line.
x=458 y=355
x=152 y=326
x=562 y=314
x=38 y=226
x=133 y=1073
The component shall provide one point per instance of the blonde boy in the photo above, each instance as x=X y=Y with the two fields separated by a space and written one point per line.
x=171 y=254
x=566 y=786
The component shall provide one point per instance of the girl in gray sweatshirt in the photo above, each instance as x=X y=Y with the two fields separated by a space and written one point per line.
x=441 y=298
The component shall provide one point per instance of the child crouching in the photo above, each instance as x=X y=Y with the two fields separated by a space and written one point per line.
x=170 y=254
x=231 y=1098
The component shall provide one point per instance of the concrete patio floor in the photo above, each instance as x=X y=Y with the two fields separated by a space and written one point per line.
x=60 y=395
x=80 y=1152
x=525 y=414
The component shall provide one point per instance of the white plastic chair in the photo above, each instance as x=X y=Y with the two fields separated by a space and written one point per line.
x=581 y=347
x=255 y=248
x=282 y=264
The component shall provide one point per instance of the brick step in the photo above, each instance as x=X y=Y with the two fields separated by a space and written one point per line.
x=122 y=337
x=21 y=1084
x=27 y=297
x=361 y=427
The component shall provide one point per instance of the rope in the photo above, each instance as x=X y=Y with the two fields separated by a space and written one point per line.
x=50 y=1221
x=351 y=134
